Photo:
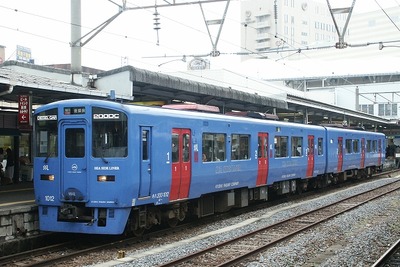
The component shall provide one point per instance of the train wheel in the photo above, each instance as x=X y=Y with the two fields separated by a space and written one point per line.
x=138 y=232
x=172 y=222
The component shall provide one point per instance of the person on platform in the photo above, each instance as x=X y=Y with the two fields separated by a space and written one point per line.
x=10 y=165
x=1 y=165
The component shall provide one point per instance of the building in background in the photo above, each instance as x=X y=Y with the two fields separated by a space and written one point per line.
x=2 y=54
x=276 y=26
x=364 y=76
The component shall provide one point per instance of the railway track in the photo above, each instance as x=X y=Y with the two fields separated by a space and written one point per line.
x=242 y=248
x=49 y=255
x=65 y=251
x=390 y=258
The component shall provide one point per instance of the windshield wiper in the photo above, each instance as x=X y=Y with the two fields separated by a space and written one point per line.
x=102 y=155
x=104 y=160
x=47 y=157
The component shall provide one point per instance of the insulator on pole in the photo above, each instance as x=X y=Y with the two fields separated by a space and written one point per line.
x=156 y=23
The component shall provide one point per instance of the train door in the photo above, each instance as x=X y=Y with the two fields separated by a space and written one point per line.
x=181 y=164
x=362 y=163
x=262 y=153
x=145 y=166
x=340 y=154
x=74 y=181
x=310 y=156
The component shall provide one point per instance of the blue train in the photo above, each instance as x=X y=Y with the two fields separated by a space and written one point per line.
x=103 y=167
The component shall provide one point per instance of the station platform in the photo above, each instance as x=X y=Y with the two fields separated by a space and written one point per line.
x=16 y=194
x=19 y=220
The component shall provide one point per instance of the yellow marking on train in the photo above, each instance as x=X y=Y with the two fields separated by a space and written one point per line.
x=16 y=190
x=18 y=202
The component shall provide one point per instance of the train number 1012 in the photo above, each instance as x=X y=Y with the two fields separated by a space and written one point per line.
x=49 y=198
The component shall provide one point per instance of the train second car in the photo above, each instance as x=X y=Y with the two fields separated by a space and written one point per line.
x=107 y=168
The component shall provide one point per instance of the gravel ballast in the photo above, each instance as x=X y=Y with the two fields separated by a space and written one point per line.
x=356 y=238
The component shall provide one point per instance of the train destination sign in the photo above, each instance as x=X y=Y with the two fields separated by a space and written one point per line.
x=74 y=110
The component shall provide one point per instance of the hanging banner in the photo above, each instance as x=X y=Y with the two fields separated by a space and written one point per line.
x=24 y=109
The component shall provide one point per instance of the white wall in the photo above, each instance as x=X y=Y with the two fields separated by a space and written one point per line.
x=120 y=82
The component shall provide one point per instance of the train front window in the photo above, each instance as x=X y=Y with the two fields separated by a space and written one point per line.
x=109 y=133
x=46 y=134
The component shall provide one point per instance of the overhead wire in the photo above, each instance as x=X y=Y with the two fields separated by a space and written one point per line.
x=69 y=23
x=249 y=52
x=120 y=35
x=295 y=50
x=391 y=20
x=46 y=37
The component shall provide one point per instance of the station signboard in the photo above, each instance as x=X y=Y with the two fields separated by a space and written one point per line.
x=23 y=54
x=24 y=109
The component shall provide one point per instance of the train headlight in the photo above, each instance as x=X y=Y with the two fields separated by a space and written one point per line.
x=47 y=177
x=105 y=178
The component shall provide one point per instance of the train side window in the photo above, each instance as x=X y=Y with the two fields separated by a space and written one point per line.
x=281 y=146
x=175 y=150
x=348 y=146
x=240 y=146
x=374 y=146
x=186 y=148
x=356 y=147
x=297 y=145
x=214 y=147
x=369 y=146
x=340 y=146
x=320 y=146
x=262 y=151
x=145 y=147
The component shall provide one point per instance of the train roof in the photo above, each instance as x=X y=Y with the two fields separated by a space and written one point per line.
x=161 y=112
x=181 y=113
x=193 y=107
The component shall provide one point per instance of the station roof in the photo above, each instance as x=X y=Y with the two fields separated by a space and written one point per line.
x=150 y=86
x=153 y=86
x=320 y=113
x=43 y=90
x=147 y=86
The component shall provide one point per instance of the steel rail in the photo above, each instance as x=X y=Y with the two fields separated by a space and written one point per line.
x=391 y=257
x=245 y=255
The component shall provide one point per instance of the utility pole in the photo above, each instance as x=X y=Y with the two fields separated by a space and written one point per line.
x=76 y=53
x=78 y=41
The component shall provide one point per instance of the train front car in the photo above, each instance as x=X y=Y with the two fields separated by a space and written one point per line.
x=81 y=151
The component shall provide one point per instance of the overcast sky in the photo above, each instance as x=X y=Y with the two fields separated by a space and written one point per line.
x=44 y=27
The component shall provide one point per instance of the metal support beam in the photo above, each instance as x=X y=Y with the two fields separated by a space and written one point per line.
x=78 y=41
x=220 y=22
x=176 y=4
x=341 y=44
x=305 y=116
